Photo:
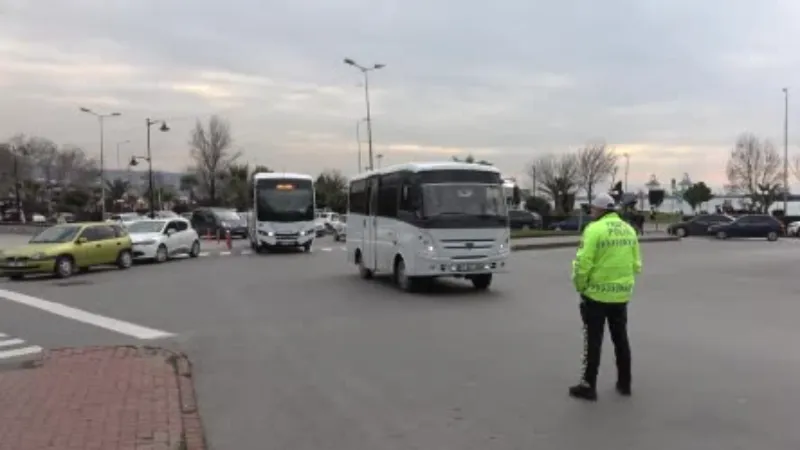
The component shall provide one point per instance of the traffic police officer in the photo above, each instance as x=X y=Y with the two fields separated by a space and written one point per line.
x=603 y=273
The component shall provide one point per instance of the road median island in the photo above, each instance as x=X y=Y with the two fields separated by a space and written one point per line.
x=121 y=397
x=540 y=243
x=24 y=229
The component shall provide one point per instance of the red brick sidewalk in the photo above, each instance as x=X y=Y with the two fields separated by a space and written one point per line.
x=100 y=398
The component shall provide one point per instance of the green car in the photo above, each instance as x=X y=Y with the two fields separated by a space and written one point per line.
x=64 y=249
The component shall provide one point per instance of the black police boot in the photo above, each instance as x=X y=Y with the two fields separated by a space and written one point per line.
x=624 y=389
x=583 y=391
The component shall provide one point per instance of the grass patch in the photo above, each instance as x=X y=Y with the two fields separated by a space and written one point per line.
x=522 y=234
x=665 y=218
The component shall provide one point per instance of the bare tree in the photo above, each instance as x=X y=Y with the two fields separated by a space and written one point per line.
x=72 y=168
x=796 y=167
x=755 y=169
x=557 y=177
x=595 y=164
x=210 y=150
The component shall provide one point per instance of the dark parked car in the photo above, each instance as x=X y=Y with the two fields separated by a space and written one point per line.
x=218 y=220
x=524 y=220
x=752 y=226
x=572 y=223
x=698 y=225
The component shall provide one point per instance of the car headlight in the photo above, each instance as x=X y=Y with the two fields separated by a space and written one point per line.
x=428 y=249
x=38 y=256
x=302 y=233
x=505 y=244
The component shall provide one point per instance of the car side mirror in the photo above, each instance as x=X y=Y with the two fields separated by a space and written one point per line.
x=82 y=240
x=170 y=232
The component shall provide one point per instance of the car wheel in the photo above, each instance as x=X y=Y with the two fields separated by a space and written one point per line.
x=195 y=251
x=362 y=269
x=16 y=276
x=482 y=282
x=307 y=247
x=681 y=232
x=722 y=235
x=65 y=266
x=400 y=278
x=161 y=254
x=772 y=236
x=124 y=260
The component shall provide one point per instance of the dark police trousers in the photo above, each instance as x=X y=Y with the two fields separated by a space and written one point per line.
x=594 y=315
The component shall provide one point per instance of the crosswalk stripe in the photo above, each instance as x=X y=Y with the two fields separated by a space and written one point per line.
x=326 y=249
x=21 y=352
x=246 y=252
x=203 y=254
x=11 y=342
x=224 y=253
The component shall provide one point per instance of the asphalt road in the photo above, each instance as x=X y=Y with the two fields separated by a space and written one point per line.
x=295 y=352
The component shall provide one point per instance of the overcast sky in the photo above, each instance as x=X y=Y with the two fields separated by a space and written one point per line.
x=672 y=82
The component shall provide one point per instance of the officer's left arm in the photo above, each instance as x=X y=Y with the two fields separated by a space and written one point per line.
x=584 y=260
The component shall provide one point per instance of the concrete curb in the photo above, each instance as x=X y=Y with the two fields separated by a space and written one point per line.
x=567 y=244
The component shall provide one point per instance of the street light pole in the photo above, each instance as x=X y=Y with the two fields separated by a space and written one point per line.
x=100 y=119
x=365 y=70
x=785 y=150
x=627 y=166
x=358 y=140
x=151 y=197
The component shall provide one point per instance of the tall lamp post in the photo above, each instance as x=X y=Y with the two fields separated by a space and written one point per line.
x=134 y=161
x=785 y=150
x=627 y=166
x=358 y=140
x=366 y=70
x=100 y=119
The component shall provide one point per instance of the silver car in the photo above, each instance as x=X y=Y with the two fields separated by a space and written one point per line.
x=340 y=229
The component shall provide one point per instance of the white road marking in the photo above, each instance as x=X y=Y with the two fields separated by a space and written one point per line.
x=2 y=335
x=246 y=252
x=80 y=315
x=203 y=254
x=326 y=249
x=343 y=248
x=11 y=342
x=33 y=349
x=224 y=253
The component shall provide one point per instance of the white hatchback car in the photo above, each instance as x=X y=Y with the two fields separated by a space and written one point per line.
x=160 y=239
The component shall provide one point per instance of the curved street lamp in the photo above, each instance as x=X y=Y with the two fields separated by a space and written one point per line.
x=100 y=119
x=365 y=70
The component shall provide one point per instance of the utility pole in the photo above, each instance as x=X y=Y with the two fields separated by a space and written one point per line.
x=365 y=71
x=16 y=182
x=786 y=151
x=627 y=166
